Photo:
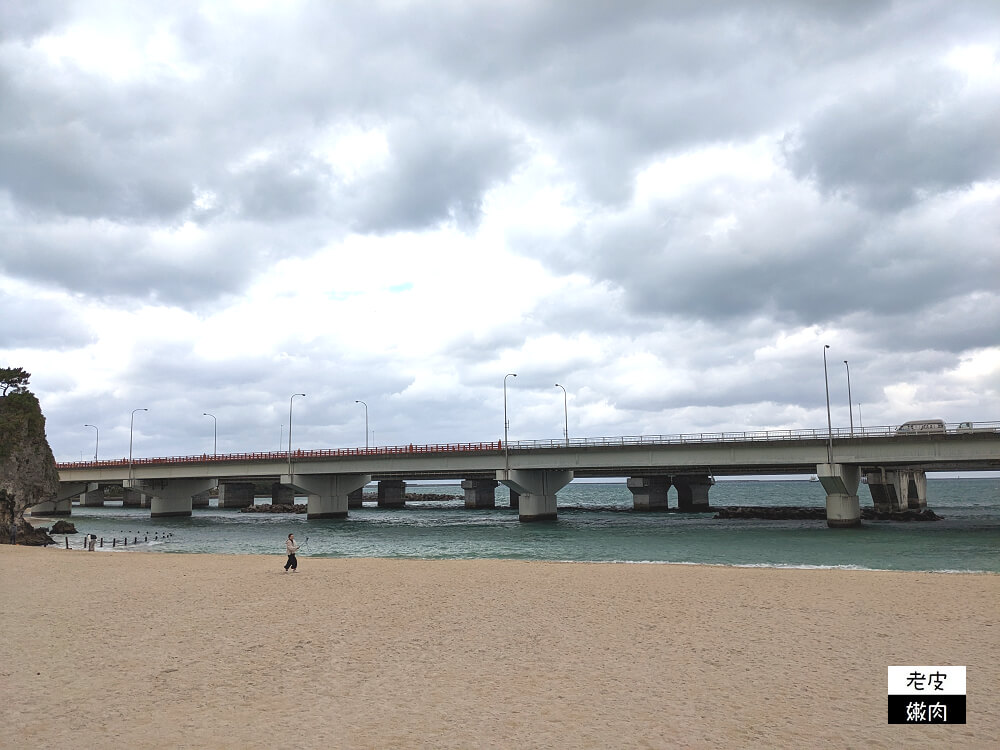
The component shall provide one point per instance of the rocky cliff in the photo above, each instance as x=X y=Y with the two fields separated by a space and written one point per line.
x=28 y=472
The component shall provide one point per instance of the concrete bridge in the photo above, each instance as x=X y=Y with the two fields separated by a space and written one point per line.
x=893 y=463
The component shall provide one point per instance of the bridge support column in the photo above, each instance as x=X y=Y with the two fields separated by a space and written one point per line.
x=134 y=498
x=692 y=492
x=282 y=494
x=93 y=497
x=897 y=490
x=515 y=499
x=537 y=488
x=356 y=499
x=843 y=509
x=62 y=507
x=326 y=493
x=61 y=504
x=171 y=497
x=200 y=499
x=916 y=489
x=235 y=494
x=391 y=493
x=480 y=493
x=648 y=493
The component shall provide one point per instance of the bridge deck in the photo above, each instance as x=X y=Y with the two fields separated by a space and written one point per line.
x=722 y=454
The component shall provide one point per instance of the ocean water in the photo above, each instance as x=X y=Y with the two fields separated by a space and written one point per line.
x=596 y=523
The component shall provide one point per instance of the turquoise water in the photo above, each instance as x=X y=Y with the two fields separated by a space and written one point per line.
x=596 y=523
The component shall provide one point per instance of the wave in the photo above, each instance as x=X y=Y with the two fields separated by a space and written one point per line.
x=781 y=566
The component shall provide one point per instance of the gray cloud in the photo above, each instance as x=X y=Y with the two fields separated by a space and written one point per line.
x=40 y=324
x=901 y=139
x=435 y=174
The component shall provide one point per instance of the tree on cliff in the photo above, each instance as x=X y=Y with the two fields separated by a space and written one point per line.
x=13 y=379
x=28 y=473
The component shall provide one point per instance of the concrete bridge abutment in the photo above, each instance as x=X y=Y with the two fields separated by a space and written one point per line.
x=391 y=493
x=648 y=493
x=537 y=489
x=480 y=493
x=843 y=509
x=326 y=493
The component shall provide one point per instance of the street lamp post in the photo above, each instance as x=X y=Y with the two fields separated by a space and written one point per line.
x=215 y=433
x=829 y=423
x=131 y=422
x=290 y=400
x=860 y=423
x=565 y=414
x=506 y=424
x=97 y=442
x=850 y=404
x=357 y=401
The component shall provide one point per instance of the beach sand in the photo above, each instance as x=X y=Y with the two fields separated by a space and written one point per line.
x=137 y=650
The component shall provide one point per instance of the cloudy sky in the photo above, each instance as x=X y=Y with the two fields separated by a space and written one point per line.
x=667 y=207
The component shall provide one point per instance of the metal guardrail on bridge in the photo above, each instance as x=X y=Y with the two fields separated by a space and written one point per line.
x=839 y=433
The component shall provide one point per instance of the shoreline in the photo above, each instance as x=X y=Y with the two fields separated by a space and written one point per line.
x=135 y=549
x=230 y=651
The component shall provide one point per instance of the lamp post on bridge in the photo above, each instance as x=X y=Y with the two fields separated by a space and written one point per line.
x=97 y=443
x=850 y=404
x=565 y=414
x=506 y=424
x=290 y=400
x=829 y=423
x=358 y=401
x=131 y=422
x=860 y=423
x=215 y=433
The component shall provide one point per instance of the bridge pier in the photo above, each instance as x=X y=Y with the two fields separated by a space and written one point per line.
x=480 y=493
x=391 y=493
x=282 y=494
x=200 y=499
x=537 y=489
x=133 y=498
x=93 y=497
x=171 y=497
x=515 y=499
x=648 y=493
x=61 y=504
x=356 y=499
x=326 y=493
x=843 y=509
x=897 y=490
x=235 y=494
x=692 y=492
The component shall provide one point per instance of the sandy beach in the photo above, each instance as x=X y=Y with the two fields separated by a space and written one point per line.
x=145 y=650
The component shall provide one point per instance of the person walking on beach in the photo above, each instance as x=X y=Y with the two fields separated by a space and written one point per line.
x=291 y=547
